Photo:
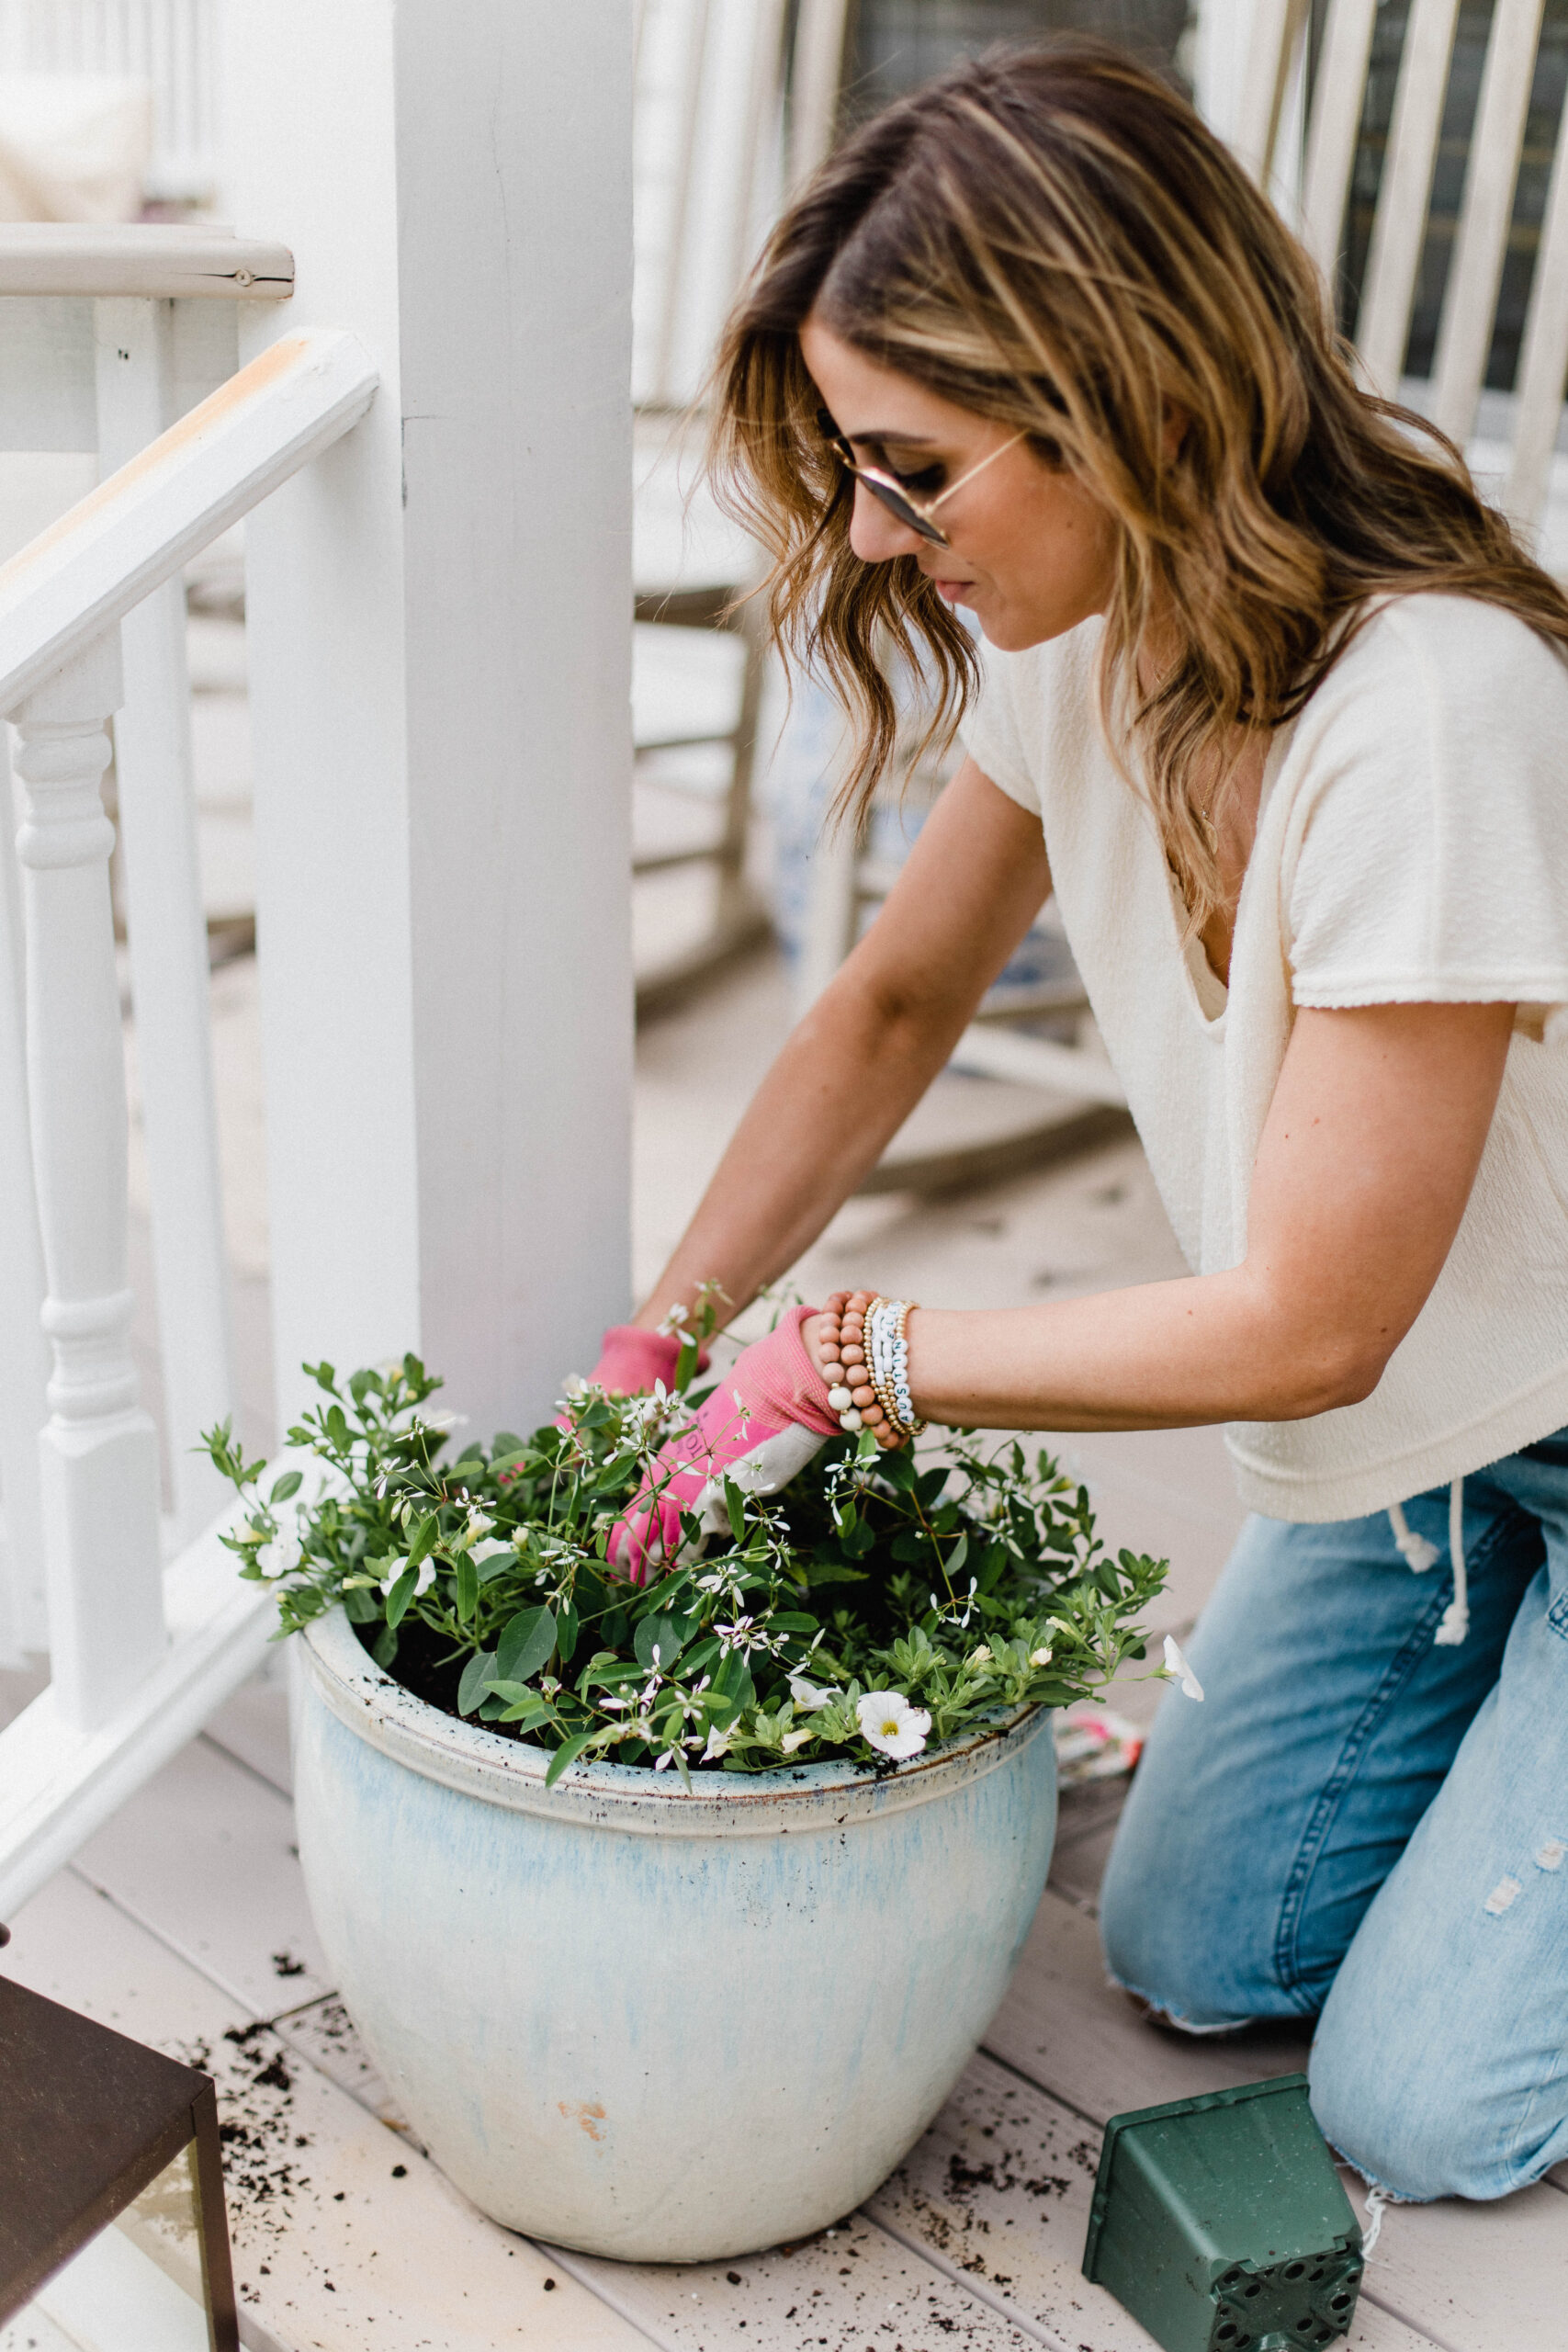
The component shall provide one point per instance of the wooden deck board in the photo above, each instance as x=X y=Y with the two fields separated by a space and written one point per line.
x=843 y=2292
x=203 y=1854
x=999 y=2190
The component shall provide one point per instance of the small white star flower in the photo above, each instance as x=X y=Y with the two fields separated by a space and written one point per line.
x=718 y=1744
x=1176 y=1666
x=891 y=1725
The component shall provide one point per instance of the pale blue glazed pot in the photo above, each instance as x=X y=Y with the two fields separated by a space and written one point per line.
x=651 y=2025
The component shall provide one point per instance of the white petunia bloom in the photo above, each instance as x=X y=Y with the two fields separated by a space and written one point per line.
x=1176 y=1666
x=981 y=1657
x=491 y=1548
x=718 y=1744
x=1041 y=1657
x=794 y=1739
x=891 y=1725
x=281 y=1553
x=477 y=1525
x=808 y=1694
x=423 y=1583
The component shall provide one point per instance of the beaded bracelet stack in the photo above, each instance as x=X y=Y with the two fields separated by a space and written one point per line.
x=865 y=1361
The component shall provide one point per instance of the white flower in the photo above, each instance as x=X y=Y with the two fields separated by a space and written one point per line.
x=282 y=1554
x=794 y=1739
x=718 y=1744
x=891 y=1725
x=1177 y=1666
x=445 y=1420
x=982 y=1656
x=808 y=1694
x=491 y=1548
x=426 y=1580
x=671 y=1324
x=1040 y=1657
x=663 y=1760
x=478 y=1525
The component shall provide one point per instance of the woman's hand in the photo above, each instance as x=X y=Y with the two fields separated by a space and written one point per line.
x=632 y=1360
x=763 y=1421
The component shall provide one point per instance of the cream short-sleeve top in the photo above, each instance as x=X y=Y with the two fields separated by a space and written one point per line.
x=1412 y=848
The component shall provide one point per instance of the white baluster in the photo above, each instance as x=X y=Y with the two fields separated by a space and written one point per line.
x=99 y=1454
x=168 y=941
x=24 y=1351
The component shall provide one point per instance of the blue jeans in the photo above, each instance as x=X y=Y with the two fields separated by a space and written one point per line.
x=1358 y=1823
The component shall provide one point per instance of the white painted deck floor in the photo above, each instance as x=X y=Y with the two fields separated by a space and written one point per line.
x=184 y=1922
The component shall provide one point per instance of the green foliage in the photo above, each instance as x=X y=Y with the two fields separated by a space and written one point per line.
x=969 y=1580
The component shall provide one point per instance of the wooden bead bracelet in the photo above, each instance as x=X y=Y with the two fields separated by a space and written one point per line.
x=865 y=1364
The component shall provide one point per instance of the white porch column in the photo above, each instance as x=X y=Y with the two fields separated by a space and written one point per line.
x=440 y=656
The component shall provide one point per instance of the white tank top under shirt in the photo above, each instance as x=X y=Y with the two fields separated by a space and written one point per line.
x=1412 y=848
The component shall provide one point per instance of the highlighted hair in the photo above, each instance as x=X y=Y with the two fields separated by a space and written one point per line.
x=1056 y=241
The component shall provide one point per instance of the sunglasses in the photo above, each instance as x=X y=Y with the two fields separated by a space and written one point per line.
x=914 y=514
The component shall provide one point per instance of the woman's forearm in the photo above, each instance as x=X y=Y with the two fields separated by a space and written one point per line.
x=871 y=1045
x=848 y=1077
x=1162 y=1355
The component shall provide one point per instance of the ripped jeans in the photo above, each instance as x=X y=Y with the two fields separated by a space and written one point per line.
x=1361 y=1823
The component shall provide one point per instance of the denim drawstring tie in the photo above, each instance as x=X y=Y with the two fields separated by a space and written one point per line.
x=1420 y=1556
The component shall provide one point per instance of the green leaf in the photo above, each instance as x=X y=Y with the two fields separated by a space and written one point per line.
x=566 y=1625
x=736 y=1509
x=422 y=1541
x=526 y=1644
x=384 y=1648
x=529 y=1713
x=565 y=1757
x=669 y=1634
x=476 y=1674
x=957 y=1556
x=289 y=1484
x=468 y=1584
x=400 y=1595
x=361 y=1608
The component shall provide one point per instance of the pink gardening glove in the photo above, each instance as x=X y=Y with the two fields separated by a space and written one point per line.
x=632 y=1360
x=763 y=1423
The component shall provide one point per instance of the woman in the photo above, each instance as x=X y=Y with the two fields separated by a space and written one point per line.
x=1278 y=710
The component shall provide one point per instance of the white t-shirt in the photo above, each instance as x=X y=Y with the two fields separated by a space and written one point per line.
x=1412 y=848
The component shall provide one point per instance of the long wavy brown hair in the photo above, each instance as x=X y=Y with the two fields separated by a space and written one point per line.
x=1056 y=241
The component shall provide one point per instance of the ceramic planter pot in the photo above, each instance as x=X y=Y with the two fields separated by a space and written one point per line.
x=651 y=2025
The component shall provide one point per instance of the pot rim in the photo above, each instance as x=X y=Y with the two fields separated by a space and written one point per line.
x=476 y=1761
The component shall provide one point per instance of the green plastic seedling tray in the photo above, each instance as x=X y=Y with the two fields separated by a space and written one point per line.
x=1221 y=2224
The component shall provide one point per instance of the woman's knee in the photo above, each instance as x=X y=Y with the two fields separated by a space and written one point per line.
x=1422 y=2113
x=1162 y=1930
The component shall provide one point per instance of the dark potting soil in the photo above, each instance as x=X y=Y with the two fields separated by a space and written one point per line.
x=424 y=1665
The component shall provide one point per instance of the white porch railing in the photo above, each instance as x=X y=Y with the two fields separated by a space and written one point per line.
x=169 y=43
x=138 y=1656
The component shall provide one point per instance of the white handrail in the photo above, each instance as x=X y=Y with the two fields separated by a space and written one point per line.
x=141 y=526
x=136 y=1657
